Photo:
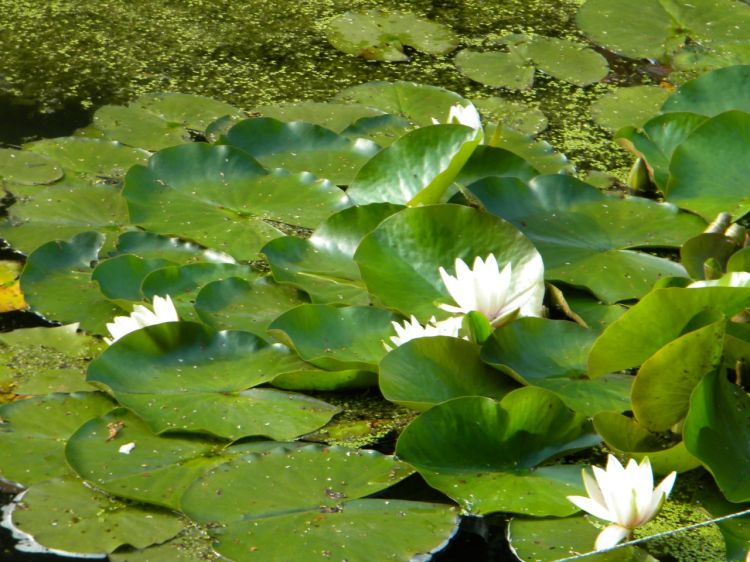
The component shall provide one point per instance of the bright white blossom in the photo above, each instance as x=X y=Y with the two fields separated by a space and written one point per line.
x=733 y=279
x=623 y=496
x=163 y=311
x=412 y=329
x=462 y=115
x=495 y=294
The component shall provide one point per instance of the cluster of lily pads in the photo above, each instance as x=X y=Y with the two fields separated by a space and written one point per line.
x=290 y=249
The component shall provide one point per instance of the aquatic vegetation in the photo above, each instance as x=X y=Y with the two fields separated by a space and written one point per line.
x=292 y=250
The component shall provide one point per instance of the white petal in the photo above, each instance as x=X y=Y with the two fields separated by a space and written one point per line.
x=657 y=499
x=590 y=506
x=592 y=488
x=610 y=536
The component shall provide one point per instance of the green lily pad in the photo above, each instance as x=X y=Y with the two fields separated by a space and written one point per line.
x=665 y=381
x=192 y=545
x=67 y=516
x=39 y=361
x=236 y=304
x=381 y=35
x=37 y=428
x=549 y=540
x=332 y=115
x=558 y=364
x=485 y=454
x=595 y=313
x=578 y=229
x=713 y=93
x=514 y=68
x=121 y=277
x=323 y=265
x=490 y=161
x=91 y=156
x=717 y=432
x=315 y=503
x=660 y=317
x=412 y=244
x=626 y=436
x=156 y=469
x=136 y=127
x=419 y=103
x=416 y=169
x=510 y=69
x=539 y=154
x=57 y=283
x=149 y=246
x=61 y=211
x=185 y=110
x=628 y=106
x=520 y=117
x=658 y=140
x=658 y=28
x=567 y=60
x=301 y=147
x=336 y=338
x=177 y=375
x=426 y=371
x=707 y=168
x=221 y=197
x=28 y=168
x=183 y=282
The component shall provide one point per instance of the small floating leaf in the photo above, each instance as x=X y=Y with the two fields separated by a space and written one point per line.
x=381 y=35
x=28 y=168
x=628 y=106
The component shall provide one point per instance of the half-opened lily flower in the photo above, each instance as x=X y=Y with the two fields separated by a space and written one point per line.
x=163 y=311
x=412 y=329
x=498 y=295
x=623 y=496
x=462 y=115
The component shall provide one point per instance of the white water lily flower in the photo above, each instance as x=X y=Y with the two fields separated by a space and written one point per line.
x=164 y=311
x=412 y=329
x=733 y=279
x=498 y=295
x=623 y=496
x=462 y=115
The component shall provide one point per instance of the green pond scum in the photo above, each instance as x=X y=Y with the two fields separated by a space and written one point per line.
x=358 y=301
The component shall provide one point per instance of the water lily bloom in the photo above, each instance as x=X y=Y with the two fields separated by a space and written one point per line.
x=498 y=295
x=623 y=496
x=462 y=115
x=163 y=311
x=412 y=329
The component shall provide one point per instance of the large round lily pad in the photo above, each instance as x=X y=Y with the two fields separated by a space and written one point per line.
x=65 y=515
x=324 y=264
x=138 y=128
x=579 y=230
x=708 y=167
x=186 y=110
x=419 y=103
x=628 y=106
x=177 y=375
x=416 y=169
x=37 y=428
x=57 y=283
x=220 y=196
x=98 y=157
x=301 y=147
x=658 y=28
x=28 y=168
x=400 y=259
x=315 y=503
x=485 y=454
x=381 y=35
x=558 y=363
x=61 y=211
x=332 y=115
x=426 y=371
x=724 y=89
x=496 y=68
x=336 y=338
